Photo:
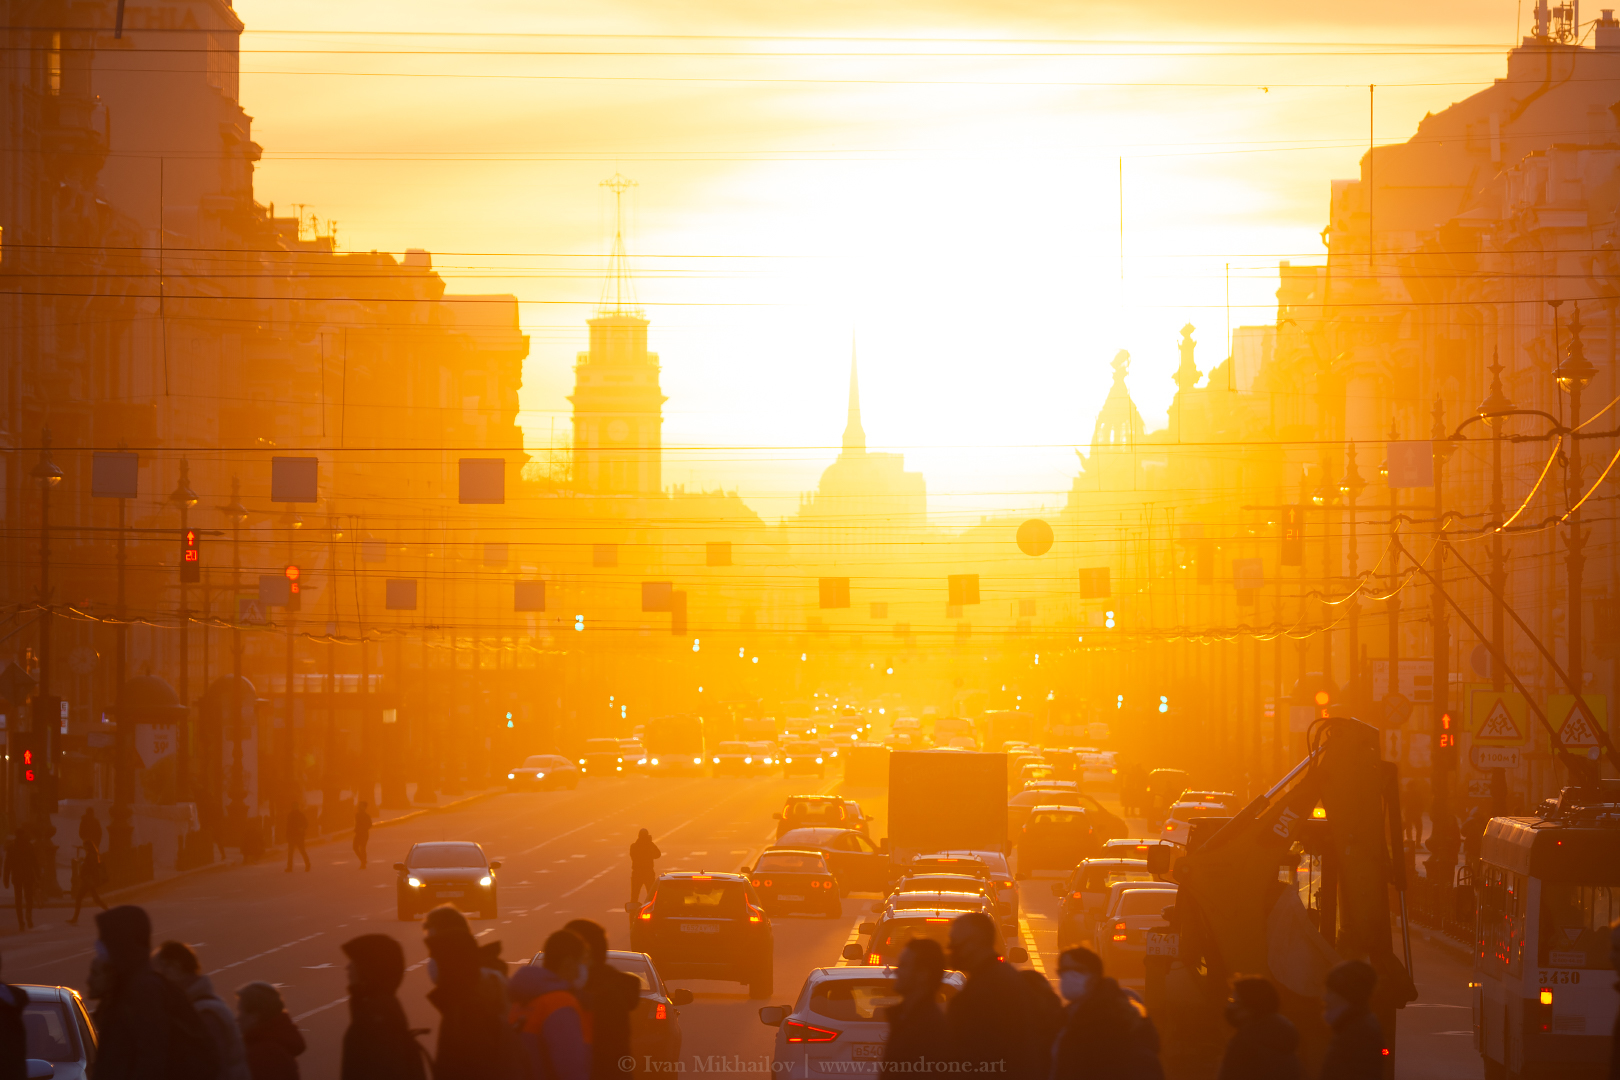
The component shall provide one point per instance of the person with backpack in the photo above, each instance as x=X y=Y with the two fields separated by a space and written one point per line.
x=643 y=877
x=473 y=1043
x=547 y=1013
x=145 y=1027
x=176 y=962
x=1106 y=1035
x=378 y=1044
x=273 y=1042
x=609 y=996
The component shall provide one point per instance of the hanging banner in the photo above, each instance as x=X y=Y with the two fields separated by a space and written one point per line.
x=1498 y=718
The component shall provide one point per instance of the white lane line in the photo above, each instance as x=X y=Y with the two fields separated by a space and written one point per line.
x=320 y=1009
x=589 y=880
x=267 y=952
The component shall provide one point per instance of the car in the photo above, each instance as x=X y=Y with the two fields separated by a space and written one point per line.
x=803 y=756
x=1133 y=908
x=447 y=872
x=543 y=772
x=1066 y=763
x=60 y=1038
x=790 y=880
x=838 y=1023
x=890 y=932
x=1165 y=787
x=655 y=1027
x=634 y=754
x=733 y=759
x=970 y=883
x=906 y=723
x=1098 y=769
x=1105 y=824
x=1176 y=822
x=1055 y=838
x=857 y=818
x=1227 y=799
x=813 y=811
x=997 y=872
x=1086 y=890
x=764 y=755
x=857 y=863
x=707 y=926
x=959 y=902
x=1036 y=770
x=602 y=758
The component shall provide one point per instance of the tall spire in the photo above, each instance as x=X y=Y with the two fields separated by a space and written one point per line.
x=854 y=434
x=618 y=291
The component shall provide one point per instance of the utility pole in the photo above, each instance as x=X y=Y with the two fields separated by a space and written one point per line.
x=1351 y=488
x=45 y=726
x=1497 y=402
x=329 y=776
x=1393 y=604
x=236 y=791
x=1572 y=376
x=184 y=499
x=1444 y=837
x=289 y=743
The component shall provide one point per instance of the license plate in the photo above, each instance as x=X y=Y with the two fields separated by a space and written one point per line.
x=699 y=928
x=789 y=896
x=452 y=892
x=867 y=1051
x=1161 y=944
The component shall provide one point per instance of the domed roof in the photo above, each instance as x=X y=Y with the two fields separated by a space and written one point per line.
x=147 y=694
x=220 y=688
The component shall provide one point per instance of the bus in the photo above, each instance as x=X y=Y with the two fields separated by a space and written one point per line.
x=674 y=744
x=1547 y=888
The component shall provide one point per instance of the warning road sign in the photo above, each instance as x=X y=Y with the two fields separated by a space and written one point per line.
x=1578 y=722
x=249 y=611
x=1498 y=719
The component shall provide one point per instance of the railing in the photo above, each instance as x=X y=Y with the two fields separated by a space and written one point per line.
x=1446 y=907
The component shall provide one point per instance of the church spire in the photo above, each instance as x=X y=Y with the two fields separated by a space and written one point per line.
x=619 y=290
x=854 y=434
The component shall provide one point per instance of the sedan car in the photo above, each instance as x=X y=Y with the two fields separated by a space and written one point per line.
x=1105 y=824
x=1134 y=907
x=1085 y=892
x=603 y=758
x=655 y=1028
x=1055 y=838
x=543 y=772
x=1177 y=823
x=814 y=812
x=733 y=759
x=934 y=900
x=788 y=880
x=996 y=870
x=707 y=926
x=61 y=1041
x=955 y=883
x=446 y=872
x=857 y=863
x=802 y=756
x=838 y=1023
x=889 y=934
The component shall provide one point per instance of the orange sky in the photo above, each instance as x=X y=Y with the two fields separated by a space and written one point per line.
x=941 y=179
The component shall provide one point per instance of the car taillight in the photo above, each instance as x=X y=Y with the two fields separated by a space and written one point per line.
x=1119 y=931
x=800 y=1032
x=874 y=958
x=660 y=1011
x=1004 y=884
x=1077 y=896
x=756 y=914
x=754 y=882
x=767 y=883
x=645 y=914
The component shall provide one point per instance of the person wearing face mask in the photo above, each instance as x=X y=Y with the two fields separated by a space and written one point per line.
x=608 y=996
x=378 y=1044
x=473 y=1042
x=546 y=1012
x=991 y=1021
x=1357 y=1050
x=917 y=1033
x=1263 y=1044
x=1106 y=1035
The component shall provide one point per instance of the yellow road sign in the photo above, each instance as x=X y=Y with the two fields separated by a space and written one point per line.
x=1577 y=724
x=1498 y=718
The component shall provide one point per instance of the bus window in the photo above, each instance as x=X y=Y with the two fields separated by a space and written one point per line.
x=1501 y=919
x=1575 y=925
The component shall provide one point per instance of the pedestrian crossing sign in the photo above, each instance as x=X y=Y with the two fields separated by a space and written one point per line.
x=1578 y=723
x=1498 y=718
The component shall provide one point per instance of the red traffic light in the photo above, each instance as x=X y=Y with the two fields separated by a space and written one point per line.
x=291 y=572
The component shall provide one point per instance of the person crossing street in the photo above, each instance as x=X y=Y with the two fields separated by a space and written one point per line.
x=362 y=832
x=88 y=882
x=297 y=834
x=21 y=875
x=643 y=853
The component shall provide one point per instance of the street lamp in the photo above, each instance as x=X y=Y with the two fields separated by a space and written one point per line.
x=183 y=498
x=49 y=474
x=236 y=792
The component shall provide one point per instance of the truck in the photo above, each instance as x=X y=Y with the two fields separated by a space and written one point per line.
x=946 y=800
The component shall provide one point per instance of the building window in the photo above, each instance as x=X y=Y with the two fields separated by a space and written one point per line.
x=53 y=64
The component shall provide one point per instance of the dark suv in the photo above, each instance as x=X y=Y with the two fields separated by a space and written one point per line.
x=707 y=926
x=446 y=872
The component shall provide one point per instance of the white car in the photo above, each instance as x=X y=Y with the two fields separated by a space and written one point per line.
x=1134 y=907
x=1098 y=769
x=837 y=1025
x=1001 y=876
x=1176 y=825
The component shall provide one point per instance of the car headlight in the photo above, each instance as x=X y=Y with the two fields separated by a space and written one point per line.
x=716 y=760
x=655 y=761
x=539 y=776
x=697 y=761
x=787 y=761
x=414 y=883
x=643 y=761
x=619 y=760
x=486 y=881
x=818 y=761
x=582 y=761
x=748 y=761
x=768 y=761
x=511 y=776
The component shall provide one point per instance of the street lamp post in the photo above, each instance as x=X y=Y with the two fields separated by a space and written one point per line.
x=1572 y=376
x=49 y=475
x=1351 y=487
x=290 y=741
x=1444 y=836
x=235 y=795
x=1393 y=604
x=183 y=498
x=1323 y=497
x=1496 y=403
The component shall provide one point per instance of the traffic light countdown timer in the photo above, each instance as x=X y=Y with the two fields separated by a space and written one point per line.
x=190 y=559
x=292 y=587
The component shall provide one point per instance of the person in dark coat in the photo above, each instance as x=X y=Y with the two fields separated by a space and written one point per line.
x=1614 y=1035
x=546 y=1013
x=378 y=1044
x=297 y=834
x=90 y=828
x=21 y=876
x=272 y=1041
x=88 y=883
x=1357 y=1048
x=362 y=832
x=1047 y=1010
x=643 y=853
x=609 y=996
x=145 y=1027
x=1106 y=1034
x=178 y=963
x=990 y=1023
x=917 y=1032
x=1264 y=1045
x=13 y=1036
x=474 y=1043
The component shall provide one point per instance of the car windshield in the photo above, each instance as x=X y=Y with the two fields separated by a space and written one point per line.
x=1058 y=817
x=634 y=965
x=802 y=748
x=49 y=1031
x=855 y=999
x=941 y=882
x=1144 y=902
x=700 y=899
x=539 y=761
x=815 y=811
x=891 y=938
x=445 y=856
x=788 y=862
x=1099 y=878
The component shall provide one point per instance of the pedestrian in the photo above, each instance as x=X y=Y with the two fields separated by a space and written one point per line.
x=1473 y=835
x=1357 y=1049
x=990 y=1023
x=271 y=1039
x=21 y=874
x=362 y=832
x=1412 y=807
x=643 y=853
x=1106 y=1034
x=145 y=1027
x=473 y=1043
x=297 y=833
x=1047 y=1010
x=378 y=1044
x=90 y=827
x=176 y=962
x=917 y=1033
x=88 y=882
x=1264 y=1045
x=609 y=996
x=1614 y=1034
x=13 y=1036
x=548 y=1015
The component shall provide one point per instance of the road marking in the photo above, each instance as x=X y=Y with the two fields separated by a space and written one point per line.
x=320 y=1009
x=267 y=952
x=588 y=881
x=1035 y=960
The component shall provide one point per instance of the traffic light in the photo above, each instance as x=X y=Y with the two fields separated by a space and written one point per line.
x=1108 y=619
x=190 y=559
x=1446 y=742
x=1293 y=536
x=1164 y=703
x=1119 y=701
x=293 y=596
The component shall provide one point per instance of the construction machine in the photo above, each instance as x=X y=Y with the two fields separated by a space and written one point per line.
x=1306 y=875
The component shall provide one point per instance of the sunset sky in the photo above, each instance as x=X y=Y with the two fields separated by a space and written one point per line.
x=940 y=180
